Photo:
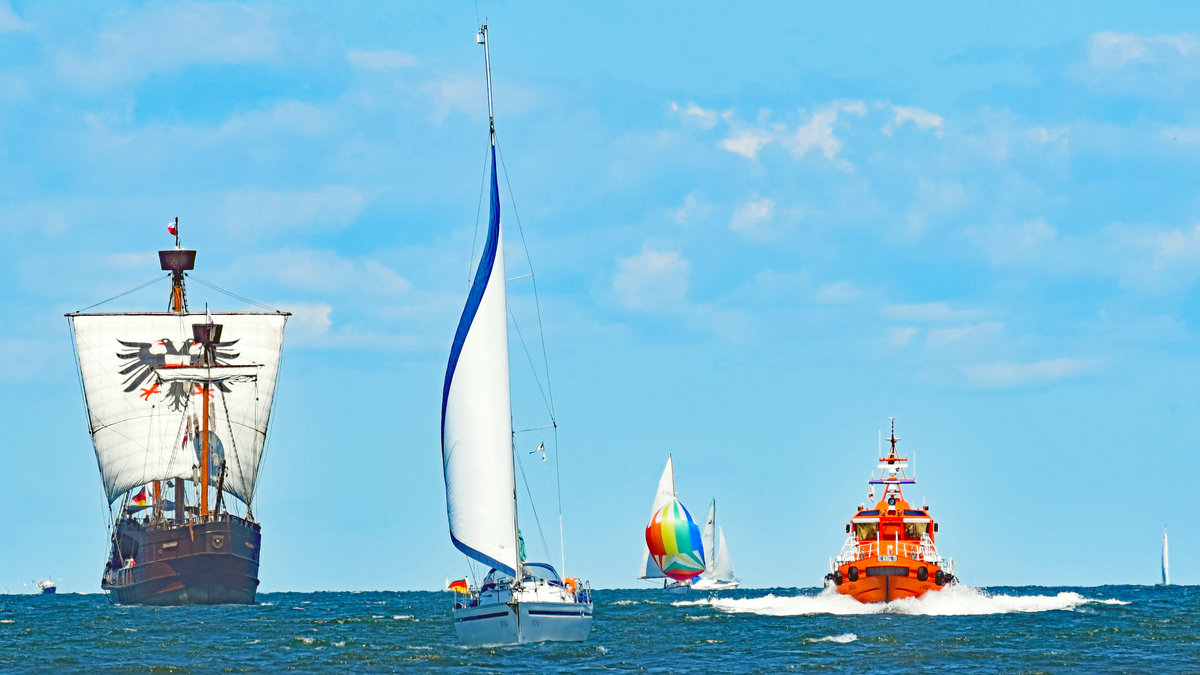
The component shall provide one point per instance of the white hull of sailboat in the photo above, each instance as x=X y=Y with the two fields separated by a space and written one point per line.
x=521 y=622
x=714 y=585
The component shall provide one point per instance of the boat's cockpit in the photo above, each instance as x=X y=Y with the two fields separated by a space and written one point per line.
x=892 y=519
x=531 y=572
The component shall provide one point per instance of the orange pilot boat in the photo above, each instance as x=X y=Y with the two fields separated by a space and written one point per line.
x=890 y=553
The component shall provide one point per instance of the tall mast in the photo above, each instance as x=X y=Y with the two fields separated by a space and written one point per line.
x=206 y=335
x=482 y=38
x=176 y=261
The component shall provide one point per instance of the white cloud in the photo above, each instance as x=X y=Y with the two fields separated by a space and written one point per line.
x=311 y=325
x=1159 y=258
x=460 y=92
x=693 y=208
x=1112 y=51
x=169 y=37
x=753 y=217
x=971 y=334
x=651 y=279
x=326 y=272
x=900 y=336
x=817 y=134
x=253 y=211
x=382 y=59
x=1003 y=374
x=310 y=321
x=929 y=312
x=11 y=23
x=704 y=118
x=934 y=200
x=747 y=142
x=1046 y=136
x=1013 y=244
x=922 y=119
x=837 y=293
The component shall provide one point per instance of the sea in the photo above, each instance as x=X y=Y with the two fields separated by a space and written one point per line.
x=1027 y=629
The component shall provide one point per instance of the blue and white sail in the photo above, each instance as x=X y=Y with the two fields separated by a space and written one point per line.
x=477 y=458
x=1166 y=562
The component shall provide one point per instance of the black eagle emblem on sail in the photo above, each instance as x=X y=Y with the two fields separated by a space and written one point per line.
x=144 y=359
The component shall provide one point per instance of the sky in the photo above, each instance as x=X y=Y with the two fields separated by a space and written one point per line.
x=757 y=233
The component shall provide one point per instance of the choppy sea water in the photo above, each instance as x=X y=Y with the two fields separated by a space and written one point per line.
x=1004 y=630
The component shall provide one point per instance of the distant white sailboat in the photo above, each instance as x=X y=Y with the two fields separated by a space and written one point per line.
x=1166 y=563
x=518 y=601
x=718 y=575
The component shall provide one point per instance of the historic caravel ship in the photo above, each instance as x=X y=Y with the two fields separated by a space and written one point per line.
x=178 y=404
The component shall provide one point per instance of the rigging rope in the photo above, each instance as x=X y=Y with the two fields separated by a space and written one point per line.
x=233 y=295
x=529 y=493
x=548 y=395
x=132 y=290
x=478 y=211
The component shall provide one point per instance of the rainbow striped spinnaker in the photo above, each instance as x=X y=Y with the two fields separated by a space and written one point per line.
x=674 y=542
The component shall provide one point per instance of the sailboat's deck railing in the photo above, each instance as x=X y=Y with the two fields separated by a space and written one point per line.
x=854 y=550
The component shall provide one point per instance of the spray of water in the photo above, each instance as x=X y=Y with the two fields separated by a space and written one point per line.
x=953 y=600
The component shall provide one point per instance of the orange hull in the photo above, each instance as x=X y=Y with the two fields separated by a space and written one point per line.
x=890 y=581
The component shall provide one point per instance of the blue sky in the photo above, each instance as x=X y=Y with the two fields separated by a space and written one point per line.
x=757 y=234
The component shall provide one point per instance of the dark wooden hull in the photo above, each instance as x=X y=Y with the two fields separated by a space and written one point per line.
x=209 y=563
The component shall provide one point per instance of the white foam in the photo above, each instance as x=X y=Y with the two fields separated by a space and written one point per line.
x=843 y=639
x=621 y=603
x=953 y=600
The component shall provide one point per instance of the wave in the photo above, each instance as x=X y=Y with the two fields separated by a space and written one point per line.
x=953 y=600
x=843 y=639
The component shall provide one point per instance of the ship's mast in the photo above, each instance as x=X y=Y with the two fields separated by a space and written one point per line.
x=176 y=261
x=206 y=335
x=482 y=38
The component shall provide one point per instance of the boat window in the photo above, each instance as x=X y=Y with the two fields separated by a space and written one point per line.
x=866 y=530
x=915 y=530
x=541 y=571
x=496 y=578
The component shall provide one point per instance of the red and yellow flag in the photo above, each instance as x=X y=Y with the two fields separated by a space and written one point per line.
x=459 y=586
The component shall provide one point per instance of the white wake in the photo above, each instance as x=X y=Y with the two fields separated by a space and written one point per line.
x=953 y=600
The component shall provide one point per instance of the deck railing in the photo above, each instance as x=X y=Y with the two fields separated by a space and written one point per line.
x=917 y=550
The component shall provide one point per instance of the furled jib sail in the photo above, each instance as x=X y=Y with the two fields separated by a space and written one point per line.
x=141 y=418
x=662 y=497
x=477 y=415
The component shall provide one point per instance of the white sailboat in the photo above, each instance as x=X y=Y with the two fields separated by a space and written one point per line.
x=1166 y=562
x=718 y=575
x=517 y=601
x=650 y=571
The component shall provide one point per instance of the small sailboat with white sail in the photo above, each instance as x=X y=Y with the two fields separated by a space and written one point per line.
x=1166 y=561
x=517 y=601
x=718 y=574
